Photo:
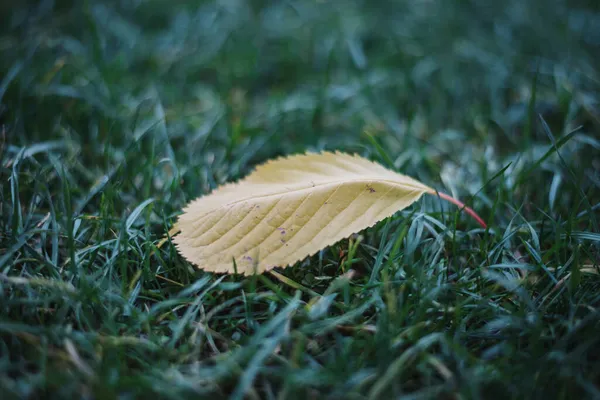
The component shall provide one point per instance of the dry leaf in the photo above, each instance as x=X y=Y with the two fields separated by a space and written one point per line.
x=288 y=209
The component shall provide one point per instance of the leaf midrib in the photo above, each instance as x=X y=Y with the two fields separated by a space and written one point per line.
x=339 y=182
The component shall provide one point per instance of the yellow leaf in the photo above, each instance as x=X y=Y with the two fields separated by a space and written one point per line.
x=288 y=209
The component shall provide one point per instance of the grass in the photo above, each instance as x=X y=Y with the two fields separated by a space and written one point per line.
x=114 y=114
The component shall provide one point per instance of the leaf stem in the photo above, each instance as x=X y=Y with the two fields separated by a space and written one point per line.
x=460 y=204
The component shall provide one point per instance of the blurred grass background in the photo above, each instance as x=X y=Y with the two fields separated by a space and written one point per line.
x=114 y=114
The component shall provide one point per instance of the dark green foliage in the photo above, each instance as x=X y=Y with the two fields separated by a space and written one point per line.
x=114 y=114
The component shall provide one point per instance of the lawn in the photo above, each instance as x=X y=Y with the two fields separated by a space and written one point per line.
x=115 y=114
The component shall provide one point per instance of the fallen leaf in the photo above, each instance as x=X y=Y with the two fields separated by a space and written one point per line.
x=289 y=209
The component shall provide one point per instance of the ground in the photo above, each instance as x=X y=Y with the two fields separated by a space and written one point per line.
x=115 y=114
